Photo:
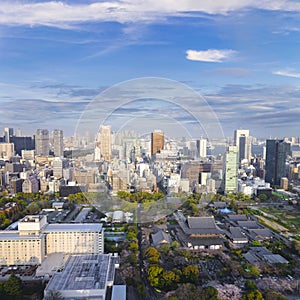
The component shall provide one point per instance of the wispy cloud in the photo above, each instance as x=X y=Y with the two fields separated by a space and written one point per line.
x=210 y=55
x=65 y=15
x=287 y=73
x=234 y=72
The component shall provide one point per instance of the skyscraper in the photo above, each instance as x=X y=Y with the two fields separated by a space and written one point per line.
x=104 y=142
x=243 y=142
x=42 y=142
x=8 y=133
x=58 y=143
x=157 y=141
x=201 y=147
x=276 y=154
x=231 y=170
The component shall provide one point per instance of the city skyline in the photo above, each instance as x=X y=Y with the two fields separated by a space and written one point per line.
x=240 y=56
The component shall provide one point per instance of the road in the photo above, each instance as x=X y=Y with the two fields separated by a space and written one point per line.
x=150 y=294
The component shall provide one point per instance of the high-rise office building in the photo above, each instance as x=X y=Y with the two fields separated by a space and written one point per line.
x=42 y=142
x=19 y=132
x=8 y=133
x=58 y=143
x=22 y=143
x=243 y=142
x=104 y=142
x=231 y=170
x=157 y=141
x=276 y=154
x=201 y=147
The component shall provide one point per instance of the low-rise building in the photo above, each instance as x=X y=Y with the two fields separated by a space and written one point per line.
x=201 y=233
x=84 y=277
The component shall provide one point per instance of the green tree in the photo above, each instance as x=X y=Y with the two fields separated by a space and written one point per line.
x=6 y=223
x=154 y=273
x=132 y=259
x=191 y=273
x=152 y=254
x=169 y=279
x=256 y=244
x=272 y=295
x=13 y=286
x=133 y=247
x=250 y=285
x=165 y=249
x=175 y=245
x=209 y=293
x=254 y=271
x=131 y=236
x=254 y=295
x=263 y=197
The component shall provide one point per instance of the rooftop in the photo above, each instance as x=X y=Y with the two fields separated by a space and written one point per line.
x=201 y=222
x=199 y=226
x=161 y=237
x=69 y=227
x=84 y=272
x=118 y=292
x=237 y=234
x=248 y=224
x=32 y=218
x=14 y=235
x=237 y=218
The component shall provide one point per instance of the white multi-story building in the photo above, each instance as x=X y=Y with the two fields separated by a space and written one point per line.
x=25 y=246
x=36 y=239
x=242 y=140
x=74 y=238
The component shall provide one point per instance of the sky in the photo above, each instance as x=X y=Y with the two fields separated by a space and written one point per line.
x=58 y=59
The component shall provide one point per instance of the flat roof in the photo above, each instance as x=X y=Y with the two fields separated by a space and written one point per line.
x=118 y=292
x=65 y=227
x=83 y=272
x=51 y=264
x=14 y=235
x=82 y=215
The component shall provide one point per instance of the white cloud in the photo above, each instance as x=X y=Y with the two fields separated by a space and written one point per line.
x=60 y=14
x=210 y=55
x=287 y=73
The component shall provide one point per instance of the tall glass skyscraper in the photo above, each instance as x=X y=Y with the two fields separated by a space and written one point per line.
x=58 y=143
x=231 y=170
x=42 y=142
x=276 y=154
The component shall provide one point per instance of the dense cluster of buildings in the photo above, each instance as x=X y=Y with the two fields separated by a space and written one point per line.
x=124 y=161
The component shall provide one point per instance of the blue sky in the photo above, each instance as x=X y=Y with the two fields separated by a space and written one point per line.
x=241 y=56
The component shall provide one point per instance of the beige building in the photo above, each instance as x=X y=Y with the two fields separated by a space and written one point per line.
x=74 y=238
x=25 y=246
x=84 y=177
x=7 y=150
x=17 y=249
x=35 y=239
x=104 y=142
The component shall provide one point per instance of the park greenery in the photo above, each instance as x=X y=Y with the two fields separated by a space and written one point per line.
x=24 y=203
x=140 y=197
